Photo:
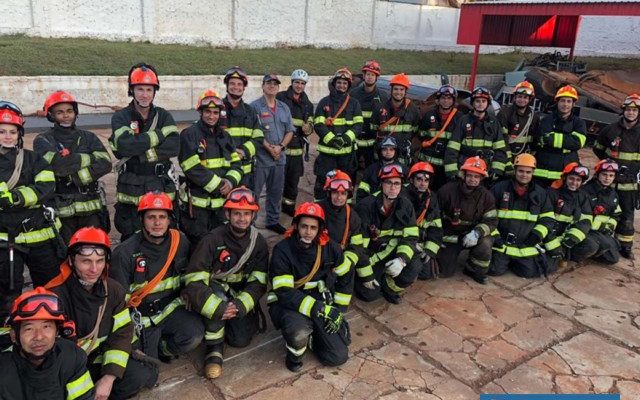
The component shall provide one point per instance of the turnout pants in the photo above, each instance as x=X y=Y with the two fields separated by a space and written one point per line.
x=476 y=259
x=71 y=224
x=598 y=246
x=524 y=267
x=625 y=230
x=237 y=332
x=201 y=222
x=181 y=331
x=293 y=171
x=137 y=375
x=388 y=284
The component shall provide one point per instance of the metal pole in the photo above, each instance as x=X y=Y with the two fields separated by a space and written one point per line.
x=474 y=66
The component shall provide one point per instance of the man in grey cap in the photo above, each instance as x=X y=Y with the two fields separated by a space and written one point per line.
x=277 y=125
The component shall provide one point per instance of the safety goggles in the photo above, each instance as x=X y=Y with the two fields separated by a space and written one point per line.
x=389 y=169
x=447 y=91
x=7 y=105
x=630 y=102
x=30 y=306
x=89 y=250
x=609 y=166
x=582 y=172
x=207 y=102
x=340 y=185
x=480 y=91
x=238 y=195
x=524 y=90
x=421 y=177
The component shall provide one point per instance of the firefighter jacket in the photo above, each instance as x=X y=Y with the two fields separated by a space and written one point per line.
x=210 y=285
x=62 y=375
x=388 y=233
x=136 y=261
x=525 y=218
x=144 y=154
x=370 y=183
x=328 y=125
x=207 y=156
x=243 y=126
x=24 y=221
x=301 y=112
x=348 y=236
x=623 y=145
x=604 y=205
x=78 y=172
x=476 y=137
x=400 y=122
x=573 y=216
x=465 y=209
x=429 y=127
x=331 y=284
x=428 y=219
x=557 y=144
x=369 y=102
x=513 y=126
x=110 y=346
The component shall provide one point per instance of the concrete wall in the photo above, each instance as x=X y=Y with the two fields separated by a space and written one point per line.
x=267 y=23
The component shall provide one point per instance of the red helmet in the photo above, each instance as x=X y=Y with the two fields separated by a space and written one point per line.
x=155 y=201
x=89 y=236
x=143 y=74
x=400 y=79
x=391 y=171
x=342 y=73
x=476 y=165
x=58 y=97
x=421 y=166
x=38 y=304
x=236 y=72
x=607 y=165
x=524 y=87
x=309 y=209
x=575 y=168
x=372 y=66
x=9 y=115
x=241 y=198
x=209 y=99
x=338 y=181
x=633 y=100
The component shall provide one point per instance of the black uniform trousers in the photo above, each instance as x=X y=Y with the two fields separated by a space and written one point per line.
x=137 y=375
x=597 y=245
x=236 y=332
x=182 y=331
x=473 y=259
x=524 y=267
x=390 y=285
x=627 y=200
x=201 y=222
x=71 y=224
x=293 y=171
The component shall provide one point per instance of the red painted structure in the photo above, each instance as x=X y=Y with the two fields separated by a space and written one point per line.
x=531 y=23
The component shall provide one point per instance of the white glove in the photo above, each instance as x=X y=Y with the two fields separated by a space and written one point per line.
x=371 y=285
x=394 y=267
x=470 y=239
x=425 y=258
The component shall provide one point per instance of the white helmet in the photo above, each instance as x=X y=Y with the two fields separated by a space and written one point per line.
x=299 y=75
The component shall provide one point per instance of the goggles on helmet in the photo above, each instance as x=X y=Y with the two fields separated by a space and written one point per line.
x=629 y=101
x=581 y=171
x=388 y=169
x=242 y=193
x=446 y=91
x=208 y=101
x=608 y=166
x=89 y=250
x=340 y=184
x=480 y=91
x=7 y=105
x=31 y=305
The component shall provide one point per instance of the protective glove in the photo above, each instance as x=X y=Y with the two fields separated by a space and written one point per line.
x=498 y=241
x=569 y=241
x=371 y=285
x=307 y=128
x=336 y=143
x=346 y=140
x=608 y=229
x=394 y=266
x=532 y=240
x=332 y=317
x=471 y=239
x=7 y=199
x=425 y=258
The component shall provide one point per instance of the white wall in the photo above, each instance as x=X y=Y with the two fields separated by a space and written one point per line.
x=272 y=23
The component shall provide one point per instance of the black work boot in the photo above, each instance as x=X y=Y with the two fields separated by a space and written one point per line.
x=293 y=362
x=288 y=209
x=476 y=276
x=392 y=298
x=627 y=252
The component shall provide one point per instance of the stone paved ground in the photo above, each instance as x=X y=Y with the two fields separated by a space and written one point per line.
x=577 y=332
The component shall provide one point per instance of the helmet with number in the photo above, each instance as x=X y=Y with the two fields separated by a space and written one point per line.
x=400 y=79
x=59 y=97
x=37 y=305
x=338 y=181
x=372 y=66
x=210 y=99
x=524 y=87
x=607 y=165
x=476 y=165
x=421 y=167
x=525 y=160
x=575 y=168
x=143 y=74
x=481 y=92
x=389 y=171
x=342 y=73
x=566 y=91
x=633 y=100
x=241 y=198
x=236 y=72
x=309 y=209
x=89 y=236
x=299 y=75
x=447 y=90
x=155 y=201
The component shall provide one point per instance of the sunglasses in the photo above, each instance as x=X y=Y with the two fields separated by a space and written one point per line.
x=30 y=306
x=238 y=195
x=7 y=105
x=89 y=250
x=340 y=184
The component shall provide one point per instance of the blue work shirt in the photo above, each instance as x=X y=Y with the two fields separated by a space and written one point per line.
x=275 y=124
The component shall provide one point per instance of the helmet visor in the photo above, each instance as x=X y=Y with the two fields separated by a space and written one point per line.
x=581 y=171
x=89 y=250
x=238 y=195
x=447 y=91
x=31 y=305
x=481 y=91
x=340 y=185
x=7 y=105
x=609 y=166
x=628 y=102
x=390 y=169
x=524 y=90
x=211 y=102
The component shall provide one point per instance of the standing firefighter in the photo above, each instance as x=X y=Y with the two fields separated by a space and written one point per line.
x=520 y=123
x=435 y=129
x=561 y=135
x=226 y=278
x=26 y=235
x=312 y=284
x=468 y=217
x=78 y=160
x=620 y=141
x=211 y=166
x=398 y=117
x=298 y=149
x=150 y=265
x=144 y=139
x=338 y=122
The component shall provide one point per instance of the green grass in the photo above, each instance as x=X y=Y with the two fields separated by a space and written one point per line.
x=30 y=56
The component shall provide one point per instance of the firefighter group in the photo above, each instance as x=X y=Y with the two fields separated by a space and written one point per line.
x=399 y=196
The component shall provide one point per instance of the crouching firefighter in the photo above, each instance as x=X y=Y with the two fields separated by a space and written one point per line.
x=226 y=278
x=96 y=303
x=150 y=265
x=468 y=217
x=387 y=149
x=391 y=234
x=525 y=219
x=312 y=284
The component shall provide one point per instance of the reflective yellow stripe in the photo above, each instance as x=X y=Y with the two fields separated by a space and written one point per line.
x=210 y=306
x=517 y=215
x=29 y=195
x=391 y=284
x=364 y=272
x=79 y=387
x=117 y=357
x=282 y=281
x=190 y=162
x=294 y=152
x=246 y=300
x=258 y=276
x=156 y=319
x=333 y=151
x=342 y=299
x=151 y=155
x=212 y=184
x=121 y=319
x=171 y=283
x=208 y=202
x=128 y=199
x=79 y=207
x=214 y=336
x=306 y=305
x=33 y=237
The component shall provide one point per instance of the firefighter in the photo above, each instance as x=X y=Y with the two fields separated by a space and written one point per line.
x=435 y=130
x=387 y=154
x=520 y=123
x=227 y=277
x=78 y=160
x=391 y=234
x=370 y=98
x=27 y=236
x=211 y=165
x=42 y=365
x=398 y=117
x=242 y=122
x=425 y=205
x=150 y=265
x=525 y=219
x=562 y=133
x=469 y=216
x=312 y=285
x=477 y=134
x=144 y=140
x=298 y=149
x=573 y=215
x=620 y=141
x=96 y=303
x=600 y=244
x=337 y=122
